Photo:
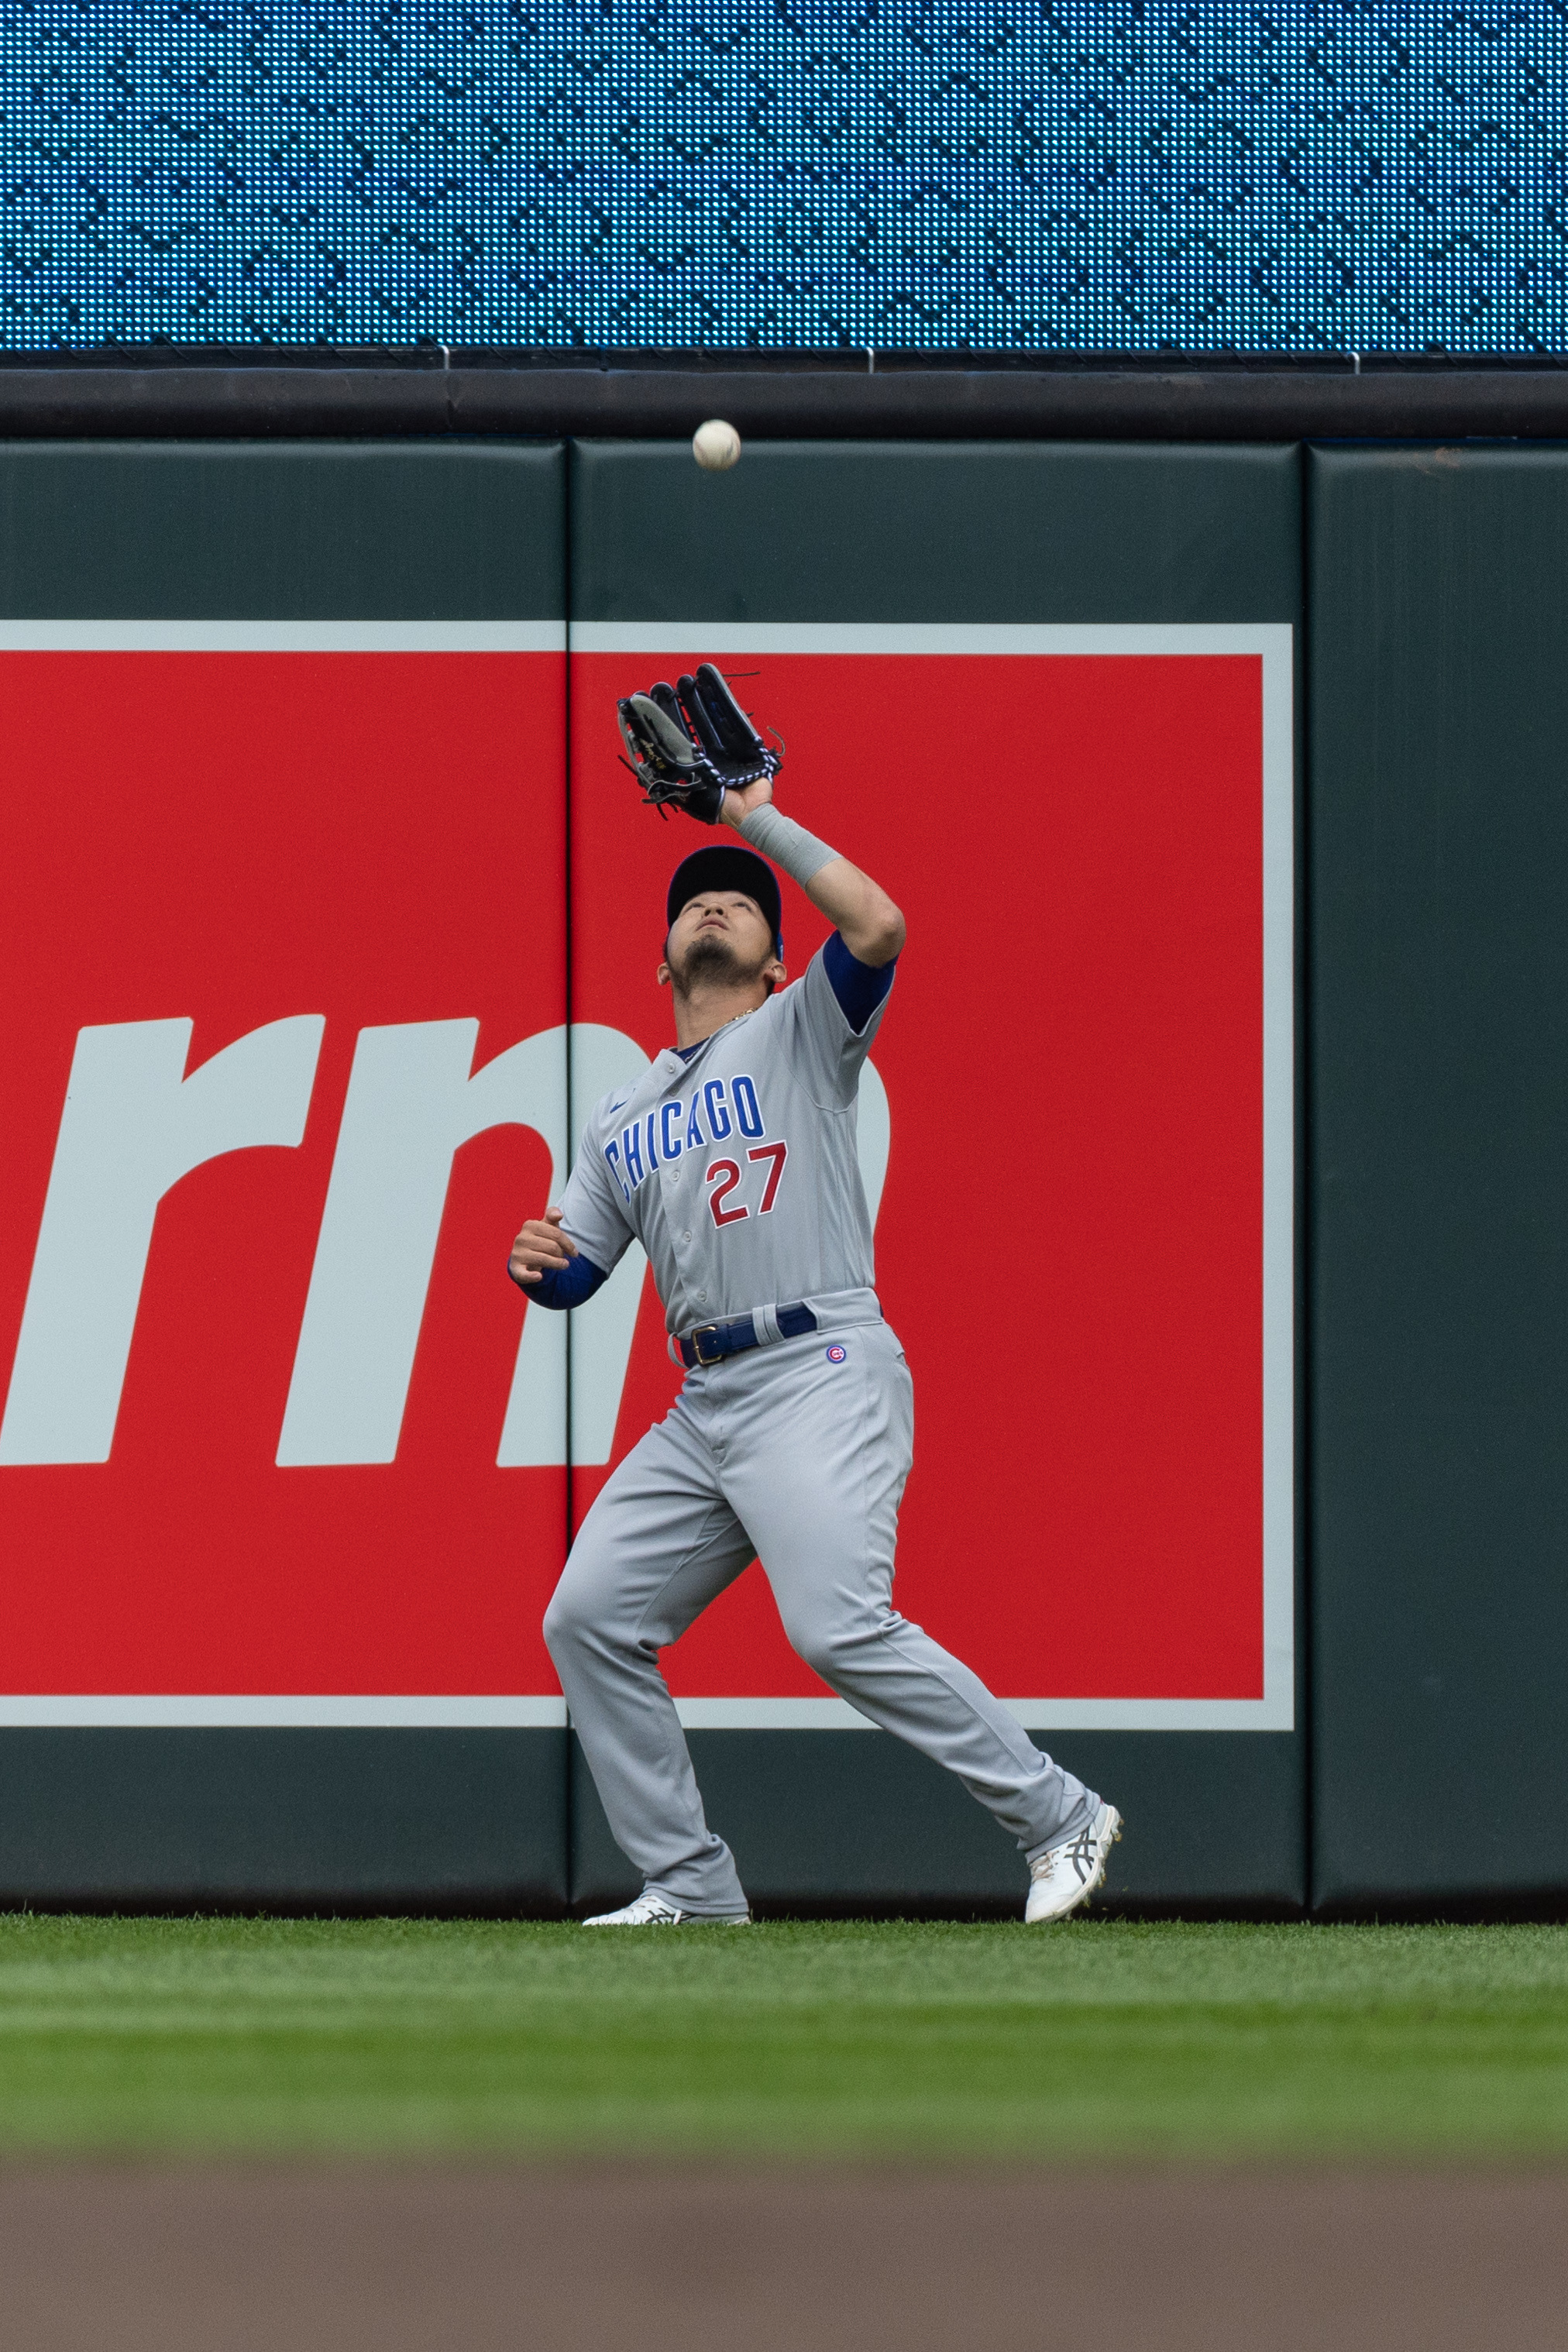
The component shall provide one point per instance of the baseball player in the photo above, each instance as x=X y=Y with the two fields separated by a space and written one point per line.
x=733 y=1161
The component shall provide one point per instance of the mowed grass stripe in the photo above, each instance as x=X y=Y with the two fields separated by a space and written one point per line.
x=913 y=2041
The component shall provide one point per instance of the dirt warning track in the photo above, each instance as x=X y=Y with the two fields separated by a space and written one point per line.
x=424 y=2259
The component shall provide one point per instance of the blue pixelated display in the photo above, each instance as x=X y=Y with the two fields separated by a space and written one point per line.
x=1069 y=175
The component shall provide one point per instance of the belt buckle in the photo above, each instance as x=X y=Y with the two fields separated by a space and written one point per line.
x=704 y=1331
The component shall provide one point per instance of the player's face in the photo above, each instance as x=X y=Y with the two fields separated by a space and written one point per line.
x=721 y=934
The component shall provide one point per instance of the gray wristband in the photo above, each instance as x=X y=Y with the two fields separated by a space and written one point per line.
x=787 y=843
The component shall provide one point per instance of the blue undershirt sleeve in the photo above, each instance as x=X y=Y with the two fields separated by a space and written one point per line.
x=859 y=987
x=566 y=1286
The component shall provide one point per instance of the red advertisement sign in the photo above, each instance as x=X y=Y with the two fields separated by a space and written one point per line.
x=283 y=1035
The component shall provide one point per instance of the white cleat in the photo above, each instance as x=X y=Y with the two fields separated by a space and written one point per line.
x=1066 y=1875
x=653 y=1911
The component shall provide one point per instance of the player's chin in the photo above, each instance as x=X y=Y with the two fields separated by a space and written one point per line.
x=714 y=955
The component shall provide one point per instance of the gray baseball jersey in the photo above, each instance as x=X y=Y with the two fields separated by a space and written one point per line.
x=736 y=1170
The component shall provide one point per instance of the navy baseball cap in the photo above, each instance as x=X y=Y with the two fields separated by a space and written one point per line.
x=723 y=868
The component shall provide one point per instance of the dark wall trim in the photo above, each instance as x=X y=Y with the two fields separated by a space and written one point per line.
x=668 y=396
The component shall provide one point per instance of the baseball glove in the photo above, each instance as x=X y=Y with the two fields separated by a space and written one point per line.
x=686 y=744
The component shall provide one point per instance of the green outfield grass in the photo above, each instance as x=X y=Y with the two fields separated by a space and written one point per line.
x=926 y=2041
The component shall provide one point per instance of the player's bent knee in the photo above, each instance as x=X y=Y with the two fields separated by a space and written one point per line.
x=582 y=1621
x=565 y=1623
x=830 y=1650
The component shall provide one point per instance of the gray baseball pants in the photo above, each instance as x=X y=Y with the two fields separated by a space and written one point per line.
x=785 y=1454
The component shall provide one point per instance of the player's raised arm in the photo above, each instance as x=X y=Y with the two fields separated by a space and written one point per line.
x=869 y=924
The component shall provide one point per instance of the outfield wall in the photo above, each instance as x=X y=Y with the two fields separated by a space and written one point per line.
x=1214 y=1210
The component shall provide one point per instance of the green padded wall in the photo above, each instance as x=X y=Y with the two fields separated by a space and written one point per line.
x=336 y=1821
x=484 y=1819
x=1439 y=1302
x=281 y=531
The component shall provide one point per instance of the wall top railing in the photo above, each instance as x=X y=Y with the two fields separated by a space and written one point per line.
x=316 y=391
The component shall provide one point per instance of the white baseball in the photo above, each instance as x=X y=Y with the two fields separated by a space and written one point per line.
x=715 y=446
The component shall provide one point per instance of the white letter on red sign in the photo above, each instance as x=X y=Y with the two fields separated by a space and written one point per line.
x=411 y=1102
x=600 y=1338
x=133 y=1125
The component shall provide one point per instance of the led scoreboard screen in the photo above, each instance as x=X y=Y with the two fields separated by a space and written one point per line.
x=1095 y=175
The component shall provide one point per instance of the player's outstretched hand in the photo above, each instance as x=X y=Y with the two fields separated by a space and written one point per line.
x=538 y=1247
x=738 y=804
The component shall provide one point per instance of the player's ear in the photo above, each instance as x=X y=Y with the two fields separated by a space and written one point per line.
x=663 y=974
